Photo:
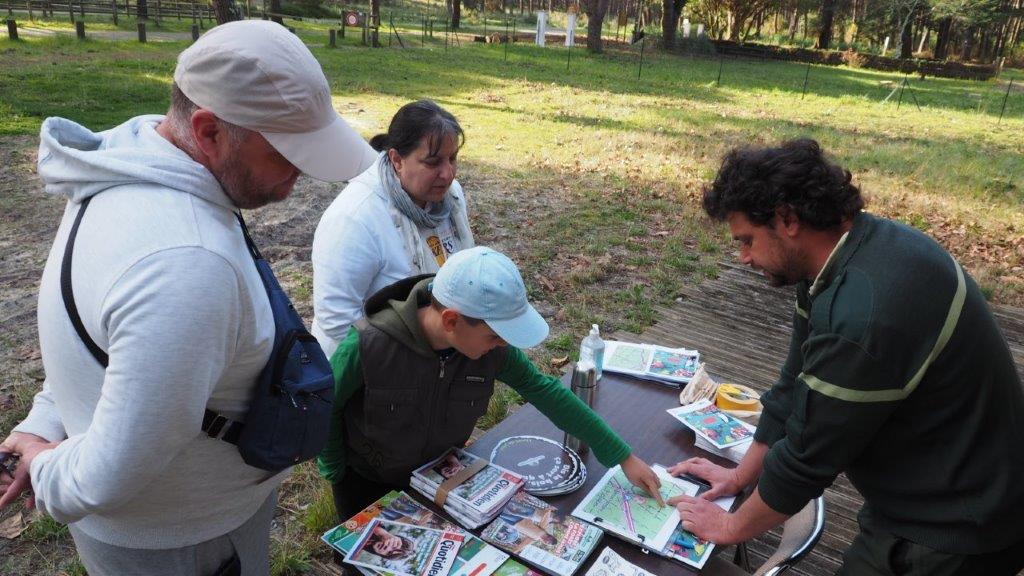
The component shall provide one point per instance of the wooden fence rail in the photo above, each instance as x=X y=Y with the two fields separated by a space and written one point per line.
x=156 y=9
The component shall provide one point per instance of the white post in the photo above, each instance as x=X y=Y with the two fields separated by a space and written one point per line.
x=542 y=25
x=700 y=30
x=686 y=28
x=570 y=30
x=885 y=47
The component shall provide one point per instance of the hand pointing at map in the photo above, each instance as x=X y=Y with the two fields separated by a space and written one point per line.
x=641 y=476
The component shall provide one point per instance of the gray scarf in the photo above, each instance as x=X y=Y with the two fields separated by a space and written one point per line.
x=436 y=214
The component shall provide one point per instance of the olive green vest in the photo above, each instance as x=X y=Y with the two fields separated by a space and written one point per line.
x=412 y=407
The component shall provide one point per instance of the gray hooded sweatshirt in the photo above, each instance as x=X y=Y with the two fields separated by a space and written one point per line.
x=165 y=285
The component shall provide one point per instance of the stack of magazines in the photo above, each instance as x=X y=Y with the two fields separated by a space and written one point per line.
x=480 y=491
x=539 y=535
x=716 y=431
x=672 y=366
x=397 y=535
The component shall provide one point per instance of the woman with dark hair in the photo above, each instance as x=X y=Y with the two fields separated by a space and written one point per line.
x=403 y=216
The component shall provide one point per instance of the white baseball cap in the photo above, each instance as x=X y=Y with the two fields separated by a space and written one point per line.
x=260 y=76
x=483 y=283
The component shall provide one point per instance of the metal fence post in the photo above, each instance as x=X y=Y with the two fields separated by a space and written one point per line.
x=806 y=76
x=1005 y=98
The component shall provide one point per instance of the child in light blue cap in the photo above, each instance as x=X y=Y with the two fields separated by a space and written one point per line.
x=414 y=375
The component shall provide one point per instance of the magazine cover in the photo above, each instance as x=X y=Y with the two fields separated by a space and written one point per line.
x=617 y=506
x=706 y=420
x=476 y=557
x=482 y=490
x=404 y=549
x=535 y=532
x=611 y=564
x=513 y=568
x=688 y=548
x=670 y=365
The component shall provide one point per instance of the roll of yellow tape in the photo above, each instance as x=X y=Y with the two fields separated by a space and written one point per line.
x=737 y=397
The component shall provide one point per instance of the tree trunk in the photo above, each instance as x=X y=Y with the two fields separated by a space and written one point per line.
x=945 y=26
x=968 y=48
x=456 y=13
x=985 y=50
x=596 y=11
x=275 y=8
x=671 y=11
x=142 y=10
x=222 y=11
x=907 y=40
x=794 y=23
x=826 y=16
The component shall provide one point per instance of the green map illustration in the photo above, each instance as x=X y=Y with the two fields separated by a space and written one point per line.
x=626 y=357
x=620 y=503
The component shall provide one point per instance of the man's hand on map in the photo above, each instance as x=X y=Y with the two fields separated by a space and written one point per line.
x=705 y=519
x=724 y=481
x=641 y=476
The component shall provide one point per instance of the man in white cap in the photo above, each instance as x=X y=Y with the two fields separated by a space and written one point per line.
x=414 y=375
x=166 y=291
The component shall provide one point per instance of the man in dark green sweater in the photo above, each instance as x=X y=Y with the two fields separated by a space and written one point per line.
x=897 y=375
x=413 y=377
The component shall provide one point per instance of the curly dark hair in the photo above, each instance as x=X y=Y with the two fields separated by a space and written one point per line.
x=795 y=176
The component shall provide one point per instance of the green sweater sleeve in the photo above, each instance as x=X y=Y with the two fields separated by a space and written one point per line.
x=562 y=407
x=348 y=379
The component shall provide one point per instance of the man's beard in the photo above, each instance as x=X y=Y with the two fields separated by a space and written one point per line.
x=788 y=275
x=241 y=186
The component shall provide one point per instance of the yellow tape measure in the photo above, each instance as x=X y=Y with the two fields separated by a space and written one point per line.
x=737 y=397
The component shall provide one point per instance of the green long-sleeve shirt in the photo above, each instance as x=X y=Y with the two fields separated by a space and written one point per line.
x=547 y=393
x=898 y=375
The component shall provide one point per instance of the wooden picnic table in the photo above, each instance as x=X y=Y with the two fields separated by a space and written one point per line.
x=635 y=409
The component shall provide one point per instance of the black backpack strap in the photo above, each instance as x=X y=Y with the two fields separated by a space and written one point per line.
x=215 y=425
x=69 y=296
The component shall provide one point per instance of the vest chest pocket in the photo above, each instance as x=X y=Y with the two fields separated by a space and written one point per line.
x=390 y=410
x=467 y=402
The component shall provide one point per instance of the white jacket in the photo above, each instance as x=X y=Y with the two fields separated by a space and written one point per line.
x=358 y=248
x=164 y=284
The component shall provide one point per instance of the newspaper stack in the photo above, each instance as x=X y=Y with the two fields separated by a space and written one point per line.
x=539 y=535
x=734 y=453
x=474 y=558
x=478 y=493
x=405 y=549
x=611 y=563
x=671 y=366
x=714 y=430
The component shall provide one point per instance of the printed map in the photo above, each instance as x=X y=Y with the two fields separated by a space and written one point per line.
x=619 y=503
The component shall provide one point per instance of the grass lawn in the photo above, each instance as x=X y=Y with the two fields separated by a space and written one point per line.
x=591 y=177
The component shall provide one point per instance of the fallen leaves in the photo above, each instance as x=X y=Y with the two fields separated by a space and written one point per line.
x=13 y=526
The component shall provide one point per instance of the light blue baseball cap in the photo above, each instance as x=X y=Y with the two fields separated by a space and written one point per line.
x=483 y=283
